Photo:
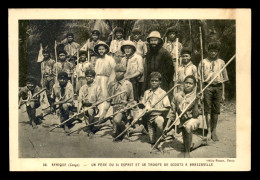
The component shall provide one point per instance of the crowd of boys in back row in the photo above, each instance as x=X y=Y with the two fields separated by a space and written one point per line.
x=145 y=70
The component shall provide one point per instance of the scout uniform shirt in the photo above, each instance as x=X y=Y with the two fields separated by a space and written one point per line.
x=63 y=66
x=90 y=45
x=133 y=64
x=179 y=103
x=151 y=97
x=47 y=68
x=81 y=69
x=60 y=94
x=210 y=68
x=89 y=93
x=116 y=45
x=186 y=70
x=71 y=48
x=171 y=48
x=117 y=87
x=141 y=48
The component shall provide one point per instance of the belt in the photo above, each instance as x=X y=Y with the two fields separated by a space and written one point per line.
x=213 y=85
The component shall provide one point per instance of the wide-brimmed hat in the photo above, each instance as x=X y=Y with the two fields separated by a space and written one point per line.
x=128 y=43
x=154 y=34
x=101 y=43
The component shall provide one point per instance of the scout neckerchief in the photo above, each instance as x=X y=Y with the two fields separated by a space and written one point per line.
x=212 y=66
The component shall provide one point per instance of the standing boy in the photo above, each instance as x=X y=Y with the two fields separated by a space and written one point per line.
x=185 y=69
x=47 y=72
x=117 y=42
x=89 y=94
x=61 y=93
x=155 y=115
x=71 y=47
x=141 y=48
x=119 y=102
x=63 y=65
x=189 y=122
x=134 y=66
x=80 y=70
x=215 y=93
x=170 y=45
x=26 y=93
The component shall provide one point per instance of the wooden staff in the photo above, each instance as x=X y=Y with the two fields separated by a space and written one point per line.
x=94 y=105
x=176 y=71
x=145 y=111
x=88 y=50
x=77 y=70
x=191 y=102
x=56 y=57
x=201 y=81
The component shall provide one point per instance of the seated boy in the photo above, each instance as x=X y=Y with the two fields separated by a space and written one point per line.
x=26 y=93
x=88 y=94
x=61 y=92
x=155 y=115
x=189 y=121
x=119 y=102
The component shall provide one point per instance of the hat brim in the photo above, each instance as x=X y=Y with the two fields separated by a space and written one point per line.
x=122 y=48
x=97 y=46
x=148 y=39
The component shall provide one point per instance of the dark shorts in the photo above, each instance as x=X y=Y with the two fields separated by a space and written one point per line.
x=212 y=98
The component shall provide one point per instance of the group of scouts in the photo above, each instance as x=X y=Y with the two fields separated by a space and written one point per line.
x=145 y=71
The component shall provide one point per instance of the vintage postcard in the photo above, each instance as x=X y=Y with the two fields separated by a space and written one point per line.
x=130 y=89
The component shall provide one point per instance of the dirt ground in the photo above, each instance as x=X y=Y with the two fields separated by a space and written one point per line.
x=40 y=143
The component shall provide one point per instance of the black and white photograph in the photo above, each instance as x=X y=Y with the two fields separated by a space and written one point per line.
x=127 y=88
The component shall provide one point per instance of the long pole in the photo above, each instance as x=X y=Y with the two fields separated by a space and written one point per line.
x=201 y=81
x=191 y=102
x=56 y=58
x=96 y=104
x=176 y=72
x=77 y=71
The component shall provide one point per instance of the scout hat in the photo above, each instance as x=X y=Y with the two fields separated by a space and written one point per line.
x=214 y=45
x=171 y=29
x=120 y=68
x=128 y=43
x=30 y=79
x=95 y=32
x=62 y=52
x=155 y=34
x=136 y=31
x=101 y=43
x=70 y=34
x=118 y=29
x=185 y=51
x=82 y=52
x=63 y=74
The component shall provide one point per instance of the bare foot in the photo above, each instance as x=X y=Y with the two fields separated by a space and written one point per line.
x=66 y=129
x=214 y=137
x=34 y=126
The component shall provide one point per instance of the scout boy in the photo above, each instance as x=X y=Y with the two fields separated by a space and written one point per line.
x=89 y=94
x=62 y=95
x=189 y=122
x=117 y=42
x=185 y=69
x=134 y=66
x=32 y=103
x=71 y=47
x=81 y=68
x=141 y=48
x=215 y=93
x=119 y=102
x=63 y=65
x=155 y=116
x=47 y=72
x=170 y=45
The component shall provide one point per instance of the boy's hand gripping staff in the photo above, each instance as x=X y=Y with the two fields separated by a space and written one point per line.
x=94 y=105
x=22 y=102
x=145 y=111
x=97 y=122
x=167 y=130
